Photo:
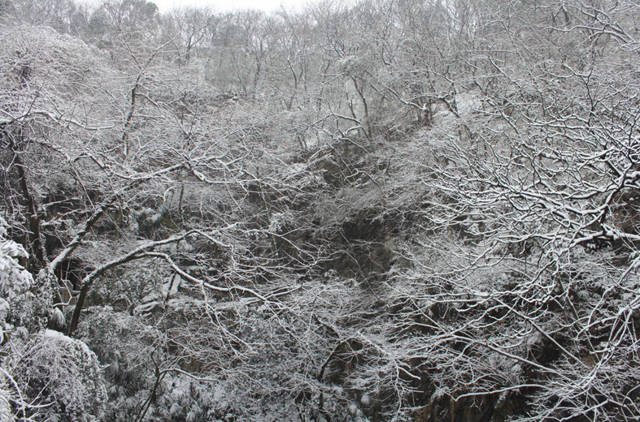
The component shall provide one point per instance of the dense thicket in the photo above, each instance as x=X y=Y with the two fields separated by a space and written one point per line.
x=398 y=210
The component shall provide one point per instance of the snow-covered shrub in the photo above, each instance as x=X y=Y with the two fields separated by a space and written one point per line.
x=44 y=375
x=5 y=399
x=63 y=373
x=15 y=283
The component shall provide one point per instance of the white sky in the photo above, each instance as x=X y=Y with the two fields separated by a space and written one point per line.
x=229 y=5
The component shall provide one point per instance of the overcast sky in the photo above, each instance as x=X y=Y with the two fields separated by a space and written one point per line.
x=228 y=5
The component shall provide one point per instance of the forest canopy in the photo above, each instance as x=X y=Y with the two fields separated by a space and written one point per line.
x=397 y=210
